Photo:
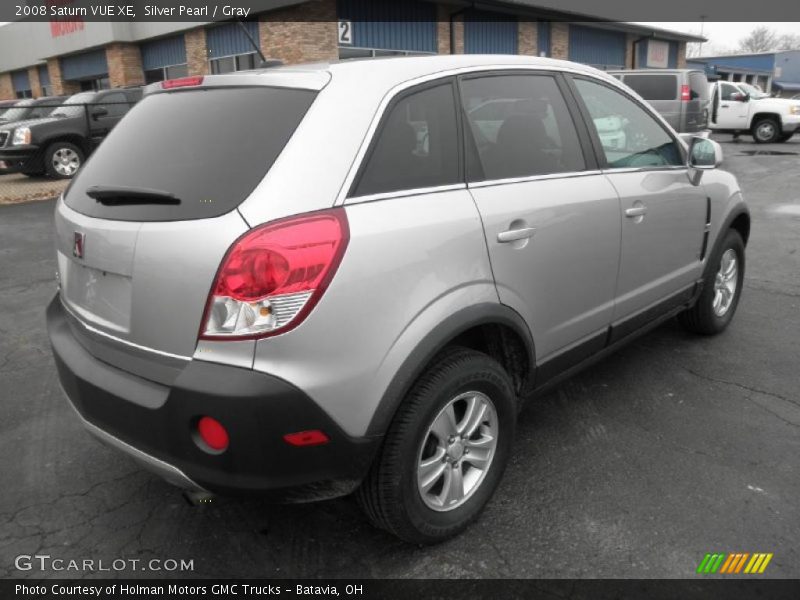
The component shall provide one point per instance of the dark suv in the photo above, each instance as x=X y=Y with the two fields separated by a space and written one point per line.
x=57 y=145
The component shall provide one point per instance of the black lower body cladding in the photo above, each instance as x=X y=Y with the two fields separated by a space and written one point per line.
x=256 y=409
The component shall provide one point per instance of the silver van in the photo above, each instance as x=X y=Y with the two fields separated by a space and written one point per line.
x=680 y=95
x=348 y=277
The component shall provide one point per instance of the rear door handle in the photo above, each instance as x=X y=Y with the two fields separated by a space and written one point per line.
x=636 y=211
x=512 y=235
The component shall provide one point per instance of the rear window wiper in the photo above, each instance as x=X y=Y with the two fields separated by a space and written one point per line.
x=115 y=195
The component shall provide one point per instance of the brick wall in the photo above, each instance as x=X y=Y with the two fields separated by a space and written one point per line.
x=458 y=26
x=33 y=77
x=196 y=51
x=527 y=38
x=303 y=33
x=559 y=40
x=681 y=55
x=60 y=87
x=629 y=49
x=6 y=87
x=124 y=65
x=443 y=29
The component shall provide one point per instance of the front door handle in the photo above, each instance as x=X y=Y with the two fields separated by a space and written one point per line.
x=513 y=235
x=636 y=211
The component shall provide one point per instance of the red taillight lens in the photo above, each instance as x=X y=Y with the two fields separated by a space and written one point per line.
x=213 y=434
x=315 y=437
x=273 y=276
x=685 y=93
x=182 y=82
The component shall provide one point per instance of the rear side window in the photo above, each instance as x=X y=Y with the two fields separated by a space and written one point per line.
x=654 y=87
x=698 y=86
x=416 y=145
x=520 y=127
x=208 y=148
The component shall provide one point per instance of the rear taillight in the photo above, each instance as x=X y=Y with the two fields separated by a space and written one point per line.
x=182 y=82
x=273 y=275
x=685 y=93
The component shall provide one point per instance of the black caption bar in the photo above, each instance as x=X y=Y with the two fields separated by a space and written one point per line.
x=444 y=589
x=200 y=11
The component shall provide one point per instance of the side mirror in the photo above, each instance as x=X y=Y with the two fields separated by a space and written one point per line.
x=100 y=111
x=703 y=155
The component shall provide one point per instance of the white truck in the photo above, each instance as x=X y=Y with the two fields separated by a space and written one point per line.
x=742 y=108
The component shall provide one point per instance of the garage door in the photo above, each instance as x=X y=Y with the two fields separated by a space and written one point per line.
x=375 y=25
x=597 y=47
x=489 y=33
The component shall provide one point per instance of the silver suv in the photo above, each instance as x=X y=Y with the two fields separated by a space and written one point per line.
x=334 y=278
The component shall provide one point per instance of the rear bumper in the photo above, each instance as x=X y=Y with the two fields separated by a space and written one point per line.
x=155 y=424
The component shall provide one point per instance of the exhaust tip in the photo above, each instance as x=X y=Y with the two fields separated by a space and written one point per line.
x=198 y=498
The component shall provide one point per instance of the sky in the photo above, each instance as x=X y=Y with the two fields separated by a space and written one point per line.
x=724 y=37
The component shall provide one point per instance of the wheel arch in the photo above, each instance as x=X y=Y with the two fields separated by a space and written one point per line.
x=493 y=328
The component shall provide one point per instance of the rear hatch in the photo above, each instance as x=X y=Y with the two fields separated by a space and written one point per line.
x=147 y=221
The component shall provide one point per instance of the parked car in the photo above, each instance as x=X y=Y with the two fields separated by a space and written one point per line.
x=680 y=95
x=742 y=108
x=6 y=104
x=31 y=109
x=293 y=294
x=58 y=144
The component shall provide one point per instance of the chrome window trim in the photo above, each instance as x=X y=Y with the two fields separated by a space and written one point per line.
x=342 y=197
x=406 y=193
x=612 y=171
x=529 y=178
x=114 y=338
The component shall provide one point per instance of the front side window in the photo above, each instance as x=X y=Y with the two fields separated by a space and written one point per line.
x=416 y=145
x=629 y=135
x=727 y=91
x=74 y=105
x=520 y=127
x=116 y=104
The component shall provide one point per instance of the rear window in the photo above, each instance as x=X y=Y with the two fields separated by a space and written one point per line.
x=209 y=148
x=654 y=87
x=698 y=86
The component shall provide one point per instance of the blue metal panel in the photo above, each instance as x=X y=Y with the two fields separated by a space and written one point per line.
x=44 y=75
x=544 y=38
x=789 y=64
x=597 y=47
x=229 y=39
x=750 y=62
x=164 y=53
x=489 y=33
x=390 y=25
x=672 y=61
x=21 y=81
x=88 y=64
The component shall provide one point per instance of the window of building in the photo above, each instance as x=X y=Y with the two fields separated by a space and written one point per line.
x=229 y=64
x=96 y=84
x=346 y=52
x=520 y=126
x=630 y=136
x=162 y=73
x=416 y=145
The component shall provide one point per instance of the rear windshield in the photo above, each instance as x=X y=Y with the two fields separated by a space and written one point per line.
x=698 y=85
x=208 y=148
x=654 y=87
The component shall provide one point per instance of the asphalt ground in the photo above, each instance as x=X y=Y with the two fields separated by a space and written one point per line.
x=674 y=447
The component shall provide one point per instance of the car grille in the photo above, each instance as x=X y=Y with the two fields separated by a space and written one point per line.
x=3 y=138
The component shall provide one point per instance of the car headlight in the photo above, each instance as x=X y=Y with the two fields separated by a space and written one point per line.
x=22 y=136
x=794 y=109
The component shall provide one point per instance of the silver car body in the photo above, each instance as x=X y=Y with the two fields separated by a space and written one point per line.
x=415 y=257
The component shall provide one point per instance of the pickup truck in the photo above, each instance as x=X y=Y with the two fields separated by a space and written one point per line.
x=742 y=108
x=58 y=144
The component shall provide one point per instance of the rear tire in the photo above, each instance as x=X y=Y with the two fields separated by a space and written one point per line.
x=766 y=130
x=423 y=486
x=62 y=160
x=722 y=289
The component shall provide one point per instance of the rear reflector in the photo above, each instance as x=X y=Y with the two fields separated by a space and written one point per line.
x=213 y=434
x=274 y=275
x=315 y=437
x=685 y=93
x=182 y=82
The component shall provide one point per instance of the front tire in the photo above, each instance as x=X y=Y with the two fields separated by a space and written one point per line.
x=445 y=451
x=62 y=160
x=766 y=131
x=722 y=288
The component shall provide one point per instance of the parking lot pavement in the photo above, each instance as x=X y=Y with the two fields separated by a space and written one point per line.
x=676 y=446
x=16 y=187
